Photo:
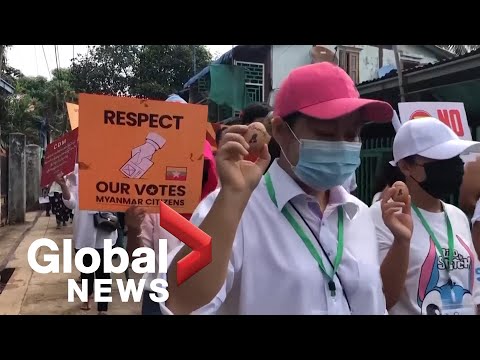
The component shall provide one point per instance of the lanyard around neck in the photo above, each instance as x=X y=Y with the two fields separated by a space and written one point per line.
x=306 y=240
x=448 y=265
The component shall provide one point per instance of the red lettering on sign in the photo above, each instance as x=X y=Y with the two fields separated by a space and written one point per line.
x=453 y=120
x=419 y=114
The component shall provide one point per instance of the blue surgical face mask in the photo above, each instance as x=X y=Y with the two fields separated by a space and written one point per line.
x=323 y=165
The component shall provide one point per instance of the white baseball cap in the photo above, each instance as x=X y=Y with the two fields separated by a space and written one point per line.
x=430 y=138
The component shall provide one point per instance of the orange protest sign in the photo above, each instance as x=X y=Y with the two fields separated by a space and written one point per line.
x=73 y=115
x=140 y=152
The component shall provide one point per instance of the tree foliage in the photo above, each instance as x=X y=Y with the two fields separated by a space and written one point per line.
x=38 y=101
x=105 y=69
x=152 y=71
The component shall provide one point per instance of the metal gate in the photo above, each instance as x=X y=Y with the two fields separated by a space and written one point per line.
x=374 y=153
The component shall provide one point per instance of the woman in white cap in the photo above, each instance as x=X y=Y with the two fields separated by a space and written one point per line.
x=432 y=272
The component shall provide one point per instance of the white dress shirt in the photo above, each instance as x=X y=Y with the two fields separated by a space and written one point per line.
x=271 y=271
x=85 y=234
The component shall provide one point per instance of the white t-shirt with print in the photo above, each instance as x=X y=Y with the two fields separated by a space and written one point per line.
x=427 y=289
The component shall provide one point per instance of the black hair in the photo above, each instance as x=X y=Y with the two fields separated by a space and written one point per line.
x=274 y=150
x=219 y=134
x=254 y=111
x=292 y=118
x=206 y=165
x=410 y=159
x=388 y=175
x=234 y=121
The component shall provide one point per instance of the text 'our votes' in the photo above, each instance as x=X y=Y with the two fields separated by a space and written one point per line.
x=147 y=189
x=152 y=120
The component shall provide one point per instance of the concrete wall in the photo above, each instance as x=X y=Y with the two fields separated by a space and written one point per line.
x=33 y=169
x=16 y=179
x=287 y=57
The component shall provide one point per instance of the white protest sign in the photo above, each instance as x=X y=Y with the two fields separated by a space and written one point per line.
x=451 y=114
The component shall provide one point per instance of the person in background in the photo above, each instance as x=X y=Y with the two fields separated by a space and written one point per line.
x=470 y=189
x=254 y=112
x=85 y=234
x=430 y=271
x=61 y=212
x=476 y=230
x=45 y=192
x=388 y=176
x=71 y=181
x=292 y=241
x=261 y=112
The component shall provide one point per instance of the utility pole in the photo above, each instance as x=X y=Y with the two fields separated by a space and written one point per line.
x=2 y=50
x=194 y=60
x=399 y=72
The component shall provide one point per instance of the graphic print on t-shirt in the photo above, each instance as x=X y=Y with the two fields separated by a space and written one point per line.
x=434 y=297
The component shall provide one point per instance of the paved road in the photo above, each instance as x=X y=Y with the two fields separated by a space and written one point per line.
x=30 y=293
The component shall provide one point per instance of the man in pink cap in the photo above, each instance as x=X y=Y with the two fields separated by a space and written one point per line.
x=293 y=241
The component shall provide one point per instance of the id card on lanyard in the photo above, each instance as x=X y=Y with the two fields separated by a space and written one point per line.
x=311 y=248
x=459 y=310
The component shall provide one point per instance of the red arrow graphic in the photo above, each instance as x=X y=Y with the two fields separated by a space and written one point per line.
x=190 y=235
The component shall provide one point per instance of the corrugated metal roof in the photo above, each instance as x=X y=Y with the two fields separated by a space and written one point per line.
x=226 y=58
x=6 y=86
x=393 y=74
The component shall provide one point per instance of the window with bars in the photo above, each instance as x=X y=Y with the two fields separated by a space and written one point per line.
x=349 y=60
x=254 y=79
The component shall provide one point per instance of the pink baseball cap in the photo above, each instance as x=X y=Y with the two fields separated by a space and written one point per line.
x=325 y=91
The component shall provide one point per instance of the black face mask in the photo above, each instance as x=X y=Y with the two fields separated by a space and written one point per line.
x=444 y=177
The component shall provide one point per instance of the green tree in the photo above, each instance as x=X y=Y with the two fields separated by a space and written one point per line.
x=105 y=69
x=152 y=71
x=163 y=69
x=20 y=118
x=37 y=99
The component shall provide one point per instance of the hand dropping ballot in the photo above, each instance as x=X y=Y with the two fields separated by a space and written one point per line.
x=142 y=155
x=144 y=262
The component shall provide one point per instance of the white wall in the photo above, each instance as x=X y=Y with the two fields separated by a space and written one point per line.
x=287 y=57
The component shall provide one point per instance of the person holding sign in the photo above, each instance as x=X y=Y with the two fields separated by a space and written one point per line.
x=86 y=234
x=432 y=270
x=292 y=241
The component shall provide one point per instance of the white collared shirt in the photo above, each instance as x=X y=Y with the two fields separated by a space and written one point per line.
x=85 y=234
x=271 y=271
